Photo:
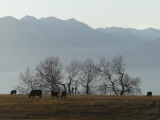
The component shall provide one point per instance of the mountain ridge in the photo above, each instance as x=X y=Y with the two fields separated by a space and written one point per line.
x=24 y=42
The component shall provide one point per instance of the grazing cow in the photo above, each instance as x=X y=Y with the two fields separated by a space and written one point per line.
x=55 y=94
x=149 y=94
x=13 y=92
x=34 y=93
x=63 y=94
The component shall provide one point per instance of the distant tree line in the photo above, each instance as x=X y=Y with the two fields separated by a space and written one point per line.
x=106 y=77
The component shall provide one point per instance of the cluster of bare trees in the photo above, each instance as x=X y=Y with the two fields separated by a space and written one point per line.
x=106 y=77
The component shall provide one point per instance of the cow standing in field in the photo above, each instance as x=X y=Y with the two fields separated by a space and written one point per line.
x=149 y=94
x=13 y=92
x=34 y=93
x=55 y=94
x=63 y=94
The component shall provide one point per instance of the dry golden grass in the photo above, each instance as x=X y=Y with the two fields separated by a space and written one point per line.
x=80 y=107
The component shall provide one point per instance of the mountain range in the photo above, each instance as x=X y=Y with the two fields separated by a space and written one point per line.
x=24 y=42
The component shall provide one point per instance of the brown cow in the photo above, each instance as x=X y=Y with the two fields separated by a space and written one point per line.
x=63 y=94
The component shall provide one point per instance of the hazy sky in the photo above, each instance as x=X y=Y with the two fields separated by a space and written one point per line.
x=96 y=13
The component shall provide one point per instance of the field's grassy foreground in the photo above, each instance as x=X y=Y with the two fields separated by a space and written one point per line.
x=80 y=107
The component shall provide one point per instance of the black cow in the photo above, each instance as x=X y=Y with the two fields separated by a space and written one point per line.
x=63 y=94
x=34 y=93
x=149 y=94
x=55 y=94
x=13 y=92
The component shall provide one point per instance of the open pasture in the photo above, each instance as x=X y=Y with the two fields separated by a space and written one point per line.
x=80 y=107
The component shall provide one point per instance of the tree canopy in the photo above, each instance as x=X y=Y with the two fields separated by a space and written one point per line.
x=105 y=77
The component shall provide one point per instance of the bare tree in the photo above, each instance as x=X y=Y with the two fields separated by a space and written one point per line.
x=116 y=81
x=49 y=73
x=72 y=71
x=49 y=76
x=88 y=76
x=28 y=82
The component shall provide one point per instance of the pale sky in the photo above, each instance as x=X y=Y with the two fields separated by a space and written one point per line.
x=138 y=14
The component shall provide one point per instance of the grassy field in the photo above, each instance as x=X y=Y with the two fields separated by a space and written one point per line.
x=80 y=107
